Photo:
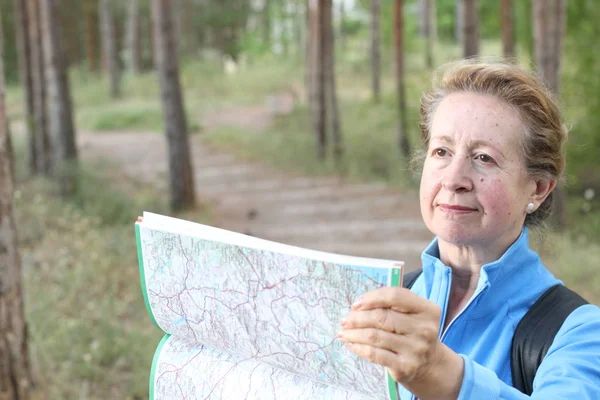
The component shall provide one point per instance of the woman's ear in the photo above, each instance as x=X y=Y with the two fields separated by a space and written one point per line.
x=543 y=187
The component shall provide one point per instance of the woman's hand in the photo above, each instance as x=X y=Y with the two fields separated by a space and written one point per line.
x=396 y=328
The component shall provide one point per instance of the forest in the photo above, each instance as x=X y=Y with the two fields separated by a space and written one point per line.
x=292 y=120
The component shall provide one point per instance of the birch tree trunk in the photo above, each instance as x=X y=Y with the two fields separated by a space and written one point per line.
x=60 y=114
x=331 y=91
x=376 y=50
x=549 y=20
x=133 y=37
x=16 y=378
x=38 y=79
x=471 y=29
x=25 y=73
x=109 y=47
x=508 y=35
x=403 y=143
x=181 y=176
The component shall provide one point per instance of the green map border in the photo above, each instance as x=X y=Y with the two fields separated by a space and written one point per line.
x=143 y=275
x=395 y=279
x=155 y=365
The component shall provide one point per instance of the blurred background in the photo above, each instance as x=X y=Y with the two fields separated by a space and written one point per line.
x=291 y=120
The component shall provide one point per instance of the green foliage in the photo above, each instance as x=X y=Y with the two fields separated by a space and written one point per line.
x=131 y=116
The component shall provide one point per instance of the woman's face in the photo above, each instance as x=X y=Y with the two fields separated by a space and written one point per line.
x=474 y=187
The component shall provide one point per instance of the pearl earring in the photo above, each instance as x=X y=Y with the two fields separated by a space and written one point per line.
x=530 y=207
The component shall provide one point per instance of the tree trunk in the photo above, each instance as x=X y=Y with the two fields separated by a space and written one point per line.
x=42 y=139
x=320 y=89
x=109 y=47
x=375 y=50
x=459 y=22
x=91 y=35
x=25 y=72
x=549 y=20
x=181 y=175
x=471 y=29
x=429 y=30
x=508 y=36
x=16 y=378
x=133 y=37
x=403 y=142
x=342 y=33
x=331 y=94
x=61 y=129
x=267 y=23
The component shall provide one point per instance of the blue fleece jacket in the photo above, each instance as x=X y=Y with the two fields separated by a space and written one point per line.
x=483 y=331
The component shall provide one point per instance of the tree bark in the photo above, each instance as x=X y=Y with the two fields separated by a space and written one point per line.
x=42 y=139
x=24 y=51
x=267 y=23
x=133 y=37
x=403 y=142
x=459 y=23
x=471 y=29
x=429 y=30
x=316 y=75
x=109 y=47
x=61 y=129
x=508 y=35
x=16 y=378
x=181 y=176
x=376 y=50
x=342 y=32
x=91 y=35
x=331 y=93
x=549 y=20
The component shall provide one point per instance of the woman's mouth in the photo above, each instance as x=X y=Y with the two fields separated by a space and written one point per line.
x=455 y=208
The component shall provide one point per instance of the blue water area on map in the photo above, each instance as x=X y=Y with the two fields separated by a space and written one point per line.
x=380 y=275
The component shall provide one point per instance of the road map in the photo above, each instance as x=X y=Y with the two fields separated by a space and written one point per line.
x=250 y=323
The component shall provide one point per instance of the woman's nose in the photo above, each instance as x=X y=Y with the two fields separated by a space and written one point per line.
x=457 y=175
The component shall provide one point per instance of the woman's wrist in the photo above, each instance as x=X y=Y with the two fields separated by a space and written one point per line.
x=443 y=380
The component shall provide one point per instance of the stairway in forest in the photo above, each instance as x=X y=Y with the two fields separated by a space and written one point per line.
x=322 y=213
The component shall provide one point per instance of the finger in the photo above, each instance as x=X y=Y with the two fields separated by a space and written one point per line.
x=375 y=338
x=375 y=355
x=398 y=299
x=382 y=318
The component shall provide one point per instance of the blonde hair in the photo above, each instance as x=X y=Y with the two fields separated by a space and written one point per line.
x=544 y=133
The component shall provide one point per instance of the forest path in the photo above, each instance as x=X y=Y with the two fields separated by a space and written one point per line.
x=322 y=213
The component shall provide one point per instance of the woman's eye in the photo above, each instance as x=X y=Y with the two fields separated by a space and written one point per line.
x=440 y=152
x=485 y=158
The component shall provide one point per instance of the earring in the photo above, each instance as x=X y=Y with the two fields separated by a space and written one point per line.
x=530 y=207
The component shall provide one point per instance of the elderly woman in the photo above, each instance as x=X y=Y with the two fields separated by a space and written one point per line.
x=493 y=138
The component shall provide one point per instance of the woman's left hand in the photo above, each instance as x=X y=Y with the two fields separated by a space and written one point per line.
x=398 y=329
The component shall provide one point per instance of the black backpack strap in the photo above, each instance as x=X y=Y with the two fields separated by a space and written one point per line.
x=410 y=278
x=536 y=331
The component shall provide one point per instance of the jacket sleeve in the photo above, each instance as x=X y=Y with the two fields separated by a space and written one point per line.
x=570 y=370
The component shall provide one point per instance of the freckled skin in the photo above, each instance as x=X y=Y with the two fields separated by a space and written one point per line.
x=474 y=161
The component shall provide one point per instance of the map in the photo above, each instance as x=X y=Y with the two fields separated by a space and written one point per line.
x=270 y=317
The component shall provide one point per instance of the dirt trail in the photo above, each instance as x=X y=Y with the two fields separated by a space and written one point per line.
x=323 y=213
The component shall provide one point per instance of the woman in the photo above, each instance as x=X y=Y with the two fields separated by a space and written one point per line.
x=493 y=137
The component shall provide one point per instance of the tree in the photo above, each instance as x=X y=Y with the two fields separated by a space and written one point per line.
x=403 y=142
x=16 y=378
x=133 y=37
x=316 y=75
x=329 y=77
x=549 y=20
x=508 y=35
x=61 y=129
x=90 y=11
x=429 y=29
x=471 y=28
x=25 y=73
x=109 y=47
x=375 y=50
x=181 y=176
x=266 y=16
x=42 y=139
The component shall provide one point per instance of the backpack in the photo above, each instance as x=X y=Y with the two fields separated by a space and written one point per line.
x=535 y=332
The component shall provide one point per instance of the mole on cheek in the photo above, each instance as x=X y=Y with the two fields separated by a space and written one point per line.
x=481 y=180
